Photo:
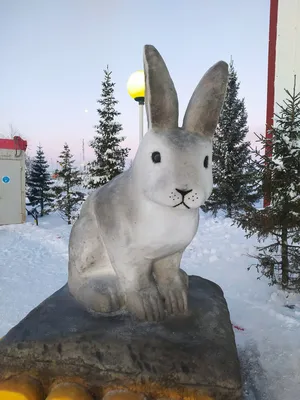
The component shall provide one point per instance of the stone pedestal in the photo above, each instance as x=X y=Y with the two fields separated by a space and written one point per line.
x=191 y=357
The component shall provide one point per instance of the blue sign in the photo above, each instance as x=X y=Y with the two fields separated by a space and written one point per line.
x=5 y=179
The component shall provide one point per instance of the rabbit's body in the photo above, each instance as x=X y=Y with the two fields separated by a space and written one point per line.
x=143 y=232
x=125 y=249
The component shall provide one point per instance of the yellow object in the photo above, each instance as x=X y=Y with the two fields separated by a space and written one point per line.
x=21 y=388
x=136 y=85
x=69 y=391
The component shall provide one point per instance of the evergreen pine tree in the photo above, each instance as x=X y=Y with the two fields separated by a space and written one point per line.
x=235 y=175
x=279 y=258
x=68 y=197
x=39 y=183
x=110 y=156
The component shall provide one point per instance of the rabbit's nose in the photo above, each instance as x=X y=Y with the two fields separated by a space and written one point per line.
x=184 y=192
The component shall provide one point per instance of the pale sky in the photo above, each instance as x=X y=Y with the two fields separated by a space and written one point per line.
x=53 y=54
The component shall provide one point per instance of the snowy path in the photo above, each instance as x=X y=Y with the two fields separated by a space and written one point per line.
x=33 y=264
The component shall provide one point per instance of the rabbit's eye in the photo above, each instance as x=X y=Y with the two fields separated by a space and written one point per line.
x=156 y=158
x=205 y=162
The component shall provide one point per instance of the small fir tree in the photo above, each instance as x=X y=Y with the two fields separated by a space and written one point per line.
x=68 y=198
x=279 y=258
x=110 y=156
x=235 y=174
x=39 y=183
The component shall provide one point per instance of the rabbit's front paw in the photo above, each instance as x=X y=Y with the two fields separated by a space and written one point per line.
x=146 y=304
x=175 y=297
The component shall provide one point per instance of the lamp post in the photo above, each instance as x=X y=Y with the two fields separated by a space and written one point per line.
x=136 y=90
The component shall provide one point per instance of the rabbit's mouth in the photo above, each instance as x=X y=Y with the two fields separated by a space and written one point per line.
x=179 y=204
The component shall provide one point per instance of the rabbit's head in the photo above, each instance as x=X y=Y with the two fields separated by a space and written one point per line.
x=173 y=165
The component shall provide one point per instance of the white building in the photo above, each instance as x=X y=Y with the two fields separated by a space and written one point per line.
x=12 y=181
x=283 y=58
x=284 y=52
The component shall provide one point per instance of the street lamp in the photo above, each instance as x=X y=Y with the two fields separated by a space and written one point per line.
x=136 y=90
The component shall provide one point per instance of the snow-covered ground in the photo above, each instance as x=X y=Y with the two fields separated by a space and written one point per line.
x=33 y=264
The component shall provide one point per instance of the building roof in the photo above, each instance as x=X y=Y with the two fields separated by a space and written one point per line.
x=17 y=143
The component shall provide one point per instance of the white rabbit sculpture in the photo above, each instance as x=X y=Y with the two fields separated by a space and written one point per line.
x=126 y=246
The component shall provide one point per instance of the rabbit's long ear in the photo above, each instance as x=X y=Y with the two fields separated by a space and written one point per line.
x=204 y=108
x=160 y=97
